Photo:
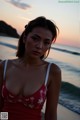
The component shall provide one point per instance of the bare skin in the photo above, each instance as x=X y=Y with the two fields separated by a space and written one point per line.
x=1 y=82
x=26 y=75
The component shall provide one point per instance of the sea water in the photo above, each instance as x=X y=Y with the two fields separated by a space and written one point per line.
x=67 y=58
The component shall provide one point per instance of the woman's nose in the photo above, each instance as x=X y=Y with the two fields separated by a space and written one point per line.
x=40 y=45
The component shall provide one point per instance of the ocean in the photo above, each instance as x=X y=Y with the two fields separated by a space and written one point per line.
x=67 y=58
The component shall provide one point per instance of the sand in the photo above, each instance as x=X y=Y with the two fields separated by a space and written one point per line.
x=65 y=114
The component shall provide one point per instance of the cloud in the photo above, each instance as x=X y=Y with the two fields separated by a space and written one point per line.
x=19 y=4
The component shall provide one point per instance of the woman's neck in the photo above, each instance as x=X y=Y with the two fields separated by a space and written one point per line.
x=31 y=61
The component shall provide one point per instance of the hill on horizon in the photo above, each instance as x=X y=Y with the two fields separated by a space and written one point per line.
x=7 y=30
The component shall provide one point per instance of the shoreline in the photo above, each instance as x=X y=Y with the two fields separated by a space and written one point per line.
x=64 y=114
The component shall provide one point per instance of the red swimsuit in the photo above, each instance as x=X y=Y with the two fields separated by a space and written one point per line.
x=25 y=107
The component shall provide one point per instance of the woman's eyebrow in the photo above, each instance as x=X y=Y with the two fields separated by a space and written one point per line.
x=36 y=35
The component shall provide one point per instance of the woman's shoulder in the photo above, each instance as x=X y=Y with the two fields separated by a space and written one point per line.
x=55 y=68
x=1 y=65
x=11 y=60
x=55 y=71
x=2 y=62
x=8 y=62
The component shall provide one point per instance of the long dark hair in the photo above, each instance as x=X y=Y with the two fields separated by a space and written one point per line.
x=38 y=22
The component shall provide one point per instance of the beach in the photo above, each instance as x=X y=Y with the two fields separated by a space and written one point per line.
x=69 y=62
x=65 y=114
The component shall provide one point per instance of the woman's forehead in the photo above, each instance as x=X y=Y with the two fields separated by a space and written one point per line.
x=43 y=32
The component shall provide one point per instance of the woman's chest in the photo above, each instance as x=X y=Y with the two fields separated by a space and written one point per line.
x=36 y=100
x=24 y=82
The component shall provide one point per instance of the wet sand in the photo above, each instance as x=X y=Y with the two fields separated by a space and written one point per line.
x=65 y=114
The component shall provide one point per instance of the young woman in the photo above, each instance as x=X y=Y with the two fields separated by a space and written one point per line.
x=29 y=80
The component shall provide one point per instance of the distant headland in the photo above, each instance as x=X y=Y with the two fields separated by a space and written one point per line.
x=7 y=30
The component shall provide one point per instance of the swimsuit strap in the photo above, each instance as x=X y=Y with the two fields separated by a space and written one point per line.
x=47 y=73
x=5 y=66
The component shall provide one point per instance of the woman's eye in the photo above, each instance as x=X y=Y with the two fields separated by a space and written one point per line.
x=46 y=43
x=34 y=38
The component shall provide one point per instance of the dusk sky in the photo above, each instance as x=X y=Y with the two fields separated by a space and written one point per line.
x=65 y=13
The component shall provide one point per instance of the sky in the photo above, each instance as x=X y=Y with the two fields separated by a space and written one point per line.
x=65 y=14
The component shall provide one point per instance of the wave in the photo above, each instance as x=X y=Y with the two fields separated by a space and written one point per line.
x=67 y=51
x=68 y=67
x=59 y=49
x=8 y=45
x=70 y=96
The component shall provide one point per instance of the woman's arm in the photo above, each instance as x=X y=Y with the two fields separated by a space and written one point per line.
x=53 y=93
x=1 y=82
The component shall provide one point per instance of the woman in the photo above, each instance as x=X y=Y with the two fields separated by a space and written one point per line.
x=29 y=80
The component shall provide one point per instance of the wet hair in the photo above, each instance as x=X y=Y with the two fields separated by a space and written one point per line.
x=37 y=22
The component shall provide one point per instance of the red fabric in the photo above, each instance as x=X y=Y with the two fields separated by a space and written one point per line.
x=26 y=107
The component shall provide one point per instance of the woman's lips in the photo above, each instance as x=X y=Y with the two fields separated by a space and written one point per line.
x=36 y=52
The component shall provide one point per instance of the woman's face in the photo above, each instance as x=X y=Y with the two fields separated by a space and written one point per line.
x=37 y=42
